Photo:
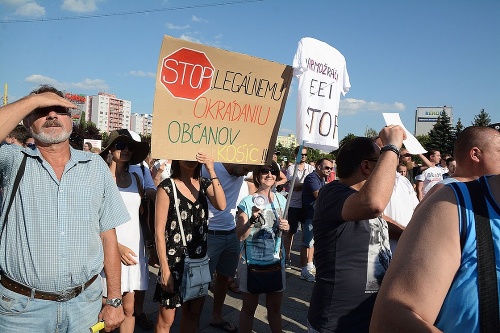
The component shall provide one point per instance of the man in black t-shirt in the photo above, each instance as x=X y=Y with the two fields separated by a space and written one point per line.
x=352 y=249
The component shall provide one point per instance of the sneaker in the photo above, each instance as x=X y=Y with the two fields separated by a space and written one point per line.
x=288 y=264
x=144 y=322
x=307 y=275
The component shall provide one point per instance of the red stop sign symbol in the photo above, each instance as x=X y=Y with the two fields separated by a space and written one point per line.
x=186 y=73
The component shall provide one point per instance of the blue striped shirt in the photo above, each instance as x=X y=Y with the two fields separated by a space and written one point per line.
x=52 y=238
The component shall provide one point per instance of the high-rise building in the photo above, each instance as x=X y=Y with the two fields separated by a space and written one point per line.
x=109 y=113
x=141 y=123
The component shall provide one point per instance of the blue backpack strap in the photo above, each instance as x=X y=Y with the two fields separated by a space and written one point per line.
x=486 y=263
x=463 y=212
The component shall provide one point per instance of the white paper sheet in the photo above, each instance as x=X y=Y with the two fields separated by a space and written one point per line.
x=411 y=143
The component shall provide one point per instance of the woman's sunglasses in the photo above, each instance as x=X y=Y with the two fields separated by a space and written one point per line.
x=265 y=171
x=122 y=145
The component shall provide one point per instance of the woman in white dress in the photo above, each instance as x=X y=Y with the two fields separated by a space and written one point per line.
x=125 y=149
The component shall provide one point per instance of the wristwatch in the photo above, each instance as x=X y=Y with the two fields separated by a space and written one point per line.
x=114 y=302
x=390 y=147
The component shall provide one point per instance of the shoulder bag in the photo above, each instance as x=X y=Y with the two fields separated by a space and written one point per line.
x=196 y=275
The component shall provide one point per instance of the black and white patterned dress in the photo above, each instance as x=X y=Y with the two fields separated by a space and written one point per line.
x=194 y=217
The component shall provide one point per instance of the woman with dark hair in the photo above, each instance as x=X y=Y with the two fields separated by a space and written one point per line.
x=125 y=148
x=259 y=226
x=192 y=192
x=87 y=146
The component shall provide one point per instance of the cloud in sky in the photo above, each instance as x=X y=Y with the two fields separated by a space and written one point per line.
x=91 y=84
x=15 y=3
x=80 y=6
x=351 y=106
x=197 y=19
x=142 y=74
x=87 y=84
x=40 y=79
x=30 y=9
x=172 y=26
x=189 y=38
x=286 y=131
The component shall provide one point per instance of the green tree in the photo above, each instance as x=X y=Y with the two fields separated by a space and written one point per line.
x=423 y=139
x=83 y=123
x=441 y=136
x=371 y=133
x=482 y=119
x=348 y=137
x=286 y=153
x=459 y=127
x=88 y=131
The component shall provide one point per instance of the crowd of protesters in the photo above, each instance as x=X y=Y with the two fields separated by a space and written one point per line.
x=79 y=248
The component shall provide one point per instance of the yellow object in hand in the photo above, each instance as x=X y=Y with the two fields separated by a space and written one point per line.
x=97 y=327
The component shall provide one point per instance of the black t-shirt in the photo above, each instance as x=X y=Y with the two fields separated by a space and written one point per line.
x=351 y=260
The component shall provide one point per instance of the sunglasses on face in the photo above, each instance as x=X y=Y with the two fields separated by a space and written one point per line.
x=60 y=110
x=327 y=168
x=265 y=171
x=122 y=145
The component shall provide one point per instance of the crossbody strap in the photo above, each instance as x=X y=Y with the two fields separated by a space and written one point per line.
x=174 y=189
x=486 y=264
x=140 y=188
x=20 y=173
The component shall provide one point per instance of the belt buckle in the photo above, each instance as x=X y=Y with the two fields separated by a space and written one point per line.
x=66 y=295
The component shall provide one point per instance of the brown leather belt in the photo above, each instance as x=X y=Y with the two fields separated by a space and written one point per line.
x=63 y=296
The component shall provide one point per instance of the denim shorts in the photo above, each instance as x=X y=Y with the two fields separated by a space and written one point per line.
x=20 y=314
x=223 y=251
x=307 y=233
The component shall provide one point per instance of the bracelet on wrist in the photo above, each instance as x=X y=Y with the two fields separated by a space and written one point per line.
x=213 y=178
x=390 y=147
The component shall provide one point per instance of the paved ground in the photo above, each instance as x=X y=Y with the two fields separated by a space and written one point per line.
x=294 y=309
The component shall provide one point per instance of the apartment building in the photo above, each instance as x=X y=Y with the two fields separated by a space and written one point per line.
x=109 y=113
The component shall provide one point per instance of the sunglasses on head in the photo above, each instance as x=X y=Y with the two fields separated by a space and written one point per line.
x=60 y=110
x=120 y=145
x=265 y=171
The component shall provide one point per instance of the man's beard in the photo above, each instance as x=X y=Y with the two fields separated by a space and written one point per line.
x=46 y=138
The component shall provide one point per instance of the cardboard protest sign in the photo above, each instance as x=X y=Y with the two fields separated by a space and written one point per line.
x=226 y=104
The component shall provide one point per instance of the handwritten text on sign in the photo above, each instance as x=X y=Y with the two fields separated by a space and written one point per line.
x=322 y=121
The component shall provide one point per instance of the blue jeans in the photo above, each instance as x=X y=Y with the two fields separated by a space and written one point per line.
x=21 y=314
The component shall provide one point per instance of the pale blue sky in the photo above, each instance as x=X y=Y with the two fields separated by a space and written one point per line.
x=400 y=54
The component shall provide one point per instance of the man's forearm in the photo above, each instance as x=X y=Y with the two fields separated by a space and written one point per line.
x=112 y=263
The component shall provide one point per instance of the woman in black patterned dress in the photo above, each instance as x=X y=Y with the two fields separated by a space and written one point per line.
x=192 y=192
